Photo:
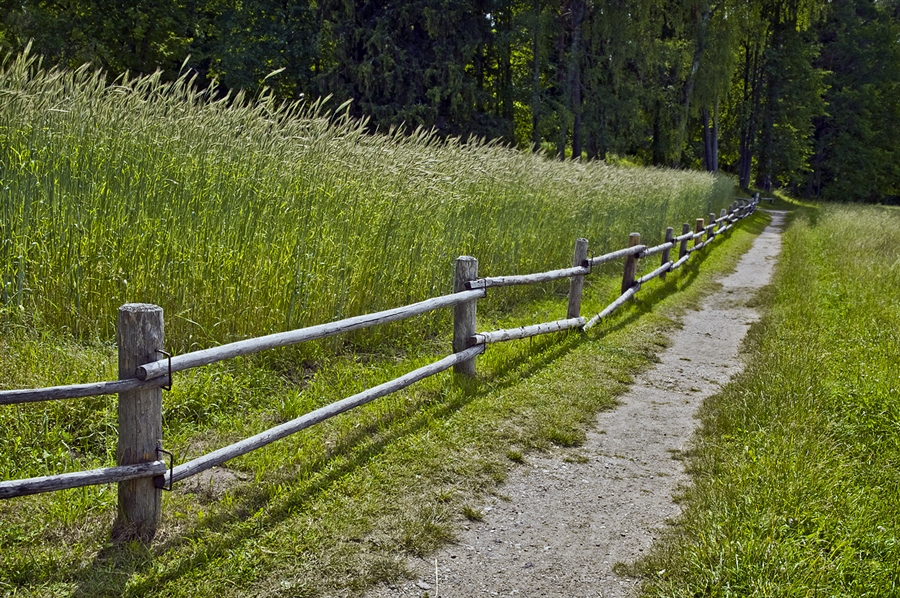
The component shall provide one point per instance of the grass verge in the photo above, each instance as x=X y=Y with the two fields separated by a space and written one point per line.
x=795 y=470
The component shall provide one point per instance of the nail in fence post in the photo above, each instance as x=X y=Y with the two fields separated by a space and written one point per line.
x=577 y=284
x=464 y=324
x=630 y=263
x=670 y=234
x=139 y=334
x=683 y=248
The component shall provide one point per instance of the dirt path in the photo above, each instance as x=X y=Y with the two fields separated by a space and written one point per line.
x=567 y=517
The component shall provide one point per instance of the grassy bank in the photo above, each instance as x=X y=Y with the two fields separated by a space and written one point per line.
x=795 y=474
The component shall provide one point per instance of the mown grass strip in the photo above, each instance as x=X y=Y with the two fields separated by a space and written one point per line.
x=796 y=473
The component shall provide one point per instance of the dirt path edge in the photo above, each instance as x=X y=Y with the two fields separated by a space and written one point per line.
x=567 y=518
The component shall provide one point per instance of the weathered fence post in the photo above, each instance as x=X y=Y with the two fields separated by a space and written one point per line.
x=670 y=234
x=577 y=285
x=712 y=227
x=683 y=248
x=698 y=228
x=630 y=263
x=139 y=335
x=464 y=323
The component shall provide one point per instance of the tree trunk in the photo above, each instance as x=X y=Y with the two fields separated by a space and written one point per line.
x=536 y=81
x=715 y=137
x=752 y=84
x=688 y=90
x=578 y=9
x=707 y=139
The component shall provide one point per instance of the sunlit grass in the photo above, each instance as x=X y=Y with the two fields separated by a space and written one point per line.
x=246 y=217
x=795 y=474
x=242 y=218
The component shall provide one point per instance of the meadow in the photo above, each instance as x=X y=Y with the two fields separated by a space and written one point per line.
x=795 y=471
x=242 y=216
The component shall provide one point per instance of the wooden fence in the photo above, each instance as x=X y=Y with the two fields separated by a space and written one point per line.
x=142 y=469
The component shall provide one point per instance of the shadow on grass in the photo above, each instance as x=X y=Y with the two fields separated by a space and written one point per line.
x=223 y=531
x=111 y=570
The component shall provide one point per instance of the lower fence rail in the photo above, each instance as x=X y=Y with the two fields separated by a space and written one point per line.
x=260 y=440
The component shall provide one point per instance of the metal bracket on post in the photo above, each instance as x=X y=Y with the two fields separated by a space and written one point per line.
x=169 y=357
x=162 y=485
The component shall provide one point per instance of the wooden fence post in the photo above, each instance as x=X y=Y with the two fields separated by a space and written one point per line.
x=139 y=334
x=670 y=234
x=464 y=322
x=577 y=285
x=712 y=229
x=683 y=249
x=630 y=263
x=698 y=228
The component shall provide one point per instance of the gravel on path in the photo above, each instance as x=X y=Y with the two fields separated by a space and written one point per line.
x=566 y=517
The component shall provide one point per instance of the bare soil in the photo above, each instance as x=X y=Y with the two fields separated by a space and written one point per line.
x=565 y=518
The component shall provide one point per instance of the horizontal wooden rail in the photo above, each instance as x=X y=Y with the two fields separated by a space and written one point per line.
x=613 y=306
x=680 y=262
x=74 y=391
x=615 y=255
x=664 y=268
x=260 y=440
x=64 y=481
x=508 y=281
x=657 y=249
x=684 y=237
x=284 y=339
x=510 y=334
x=697 y=247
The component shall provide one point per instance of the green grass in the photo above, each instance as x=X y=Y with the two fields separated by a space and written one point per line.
x=796 y=473
x=245 y=217
x=339 y=507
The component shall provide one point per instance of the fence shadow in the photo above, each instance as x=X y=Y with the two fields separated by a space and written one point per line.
x=112 y=568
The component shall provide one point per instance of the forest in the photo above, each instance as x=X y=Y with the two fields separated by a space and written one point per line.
x=802 y=95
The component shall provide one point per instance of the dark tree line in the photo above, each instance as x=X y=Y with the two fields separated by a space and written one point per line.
x=792 y=93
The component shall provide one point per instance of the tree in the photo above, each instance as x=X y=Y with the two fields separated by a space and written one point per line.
x=856 y=143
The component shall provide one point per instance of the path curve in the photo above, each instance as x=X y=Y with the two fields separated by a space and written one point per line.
x=567 y=523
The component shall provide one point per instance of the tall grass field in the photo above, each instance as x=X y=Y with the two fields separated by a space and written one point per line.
x=242 y=217
x=797 y=469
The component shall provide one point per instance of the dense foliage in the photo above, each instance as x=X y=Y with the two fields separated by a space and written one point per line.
x=799 y=93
